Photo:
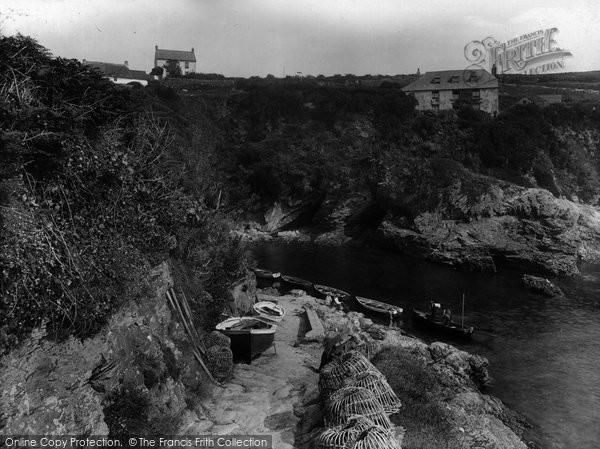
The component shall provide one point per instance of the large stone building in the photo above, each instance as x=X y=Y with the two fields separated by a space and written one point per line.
x=451 y=89
x=185 y=60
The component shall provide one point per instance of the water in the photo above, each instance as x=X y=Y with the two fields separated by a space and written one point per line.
x=544 y=353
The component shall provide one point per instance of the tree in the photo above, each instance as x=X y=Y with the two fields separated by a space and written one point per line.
x=173 y=69
x=157 y=71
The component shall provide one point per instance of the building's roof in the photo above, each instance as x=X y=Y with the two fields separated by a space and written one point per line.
x=175 y=55
x=109 y=69
x=119 y=70
x=138 y=74
x=453 y=79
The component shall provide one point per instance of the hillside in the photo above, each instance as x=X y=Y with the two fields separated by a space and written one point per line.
x=95 y=188
x=458 y=187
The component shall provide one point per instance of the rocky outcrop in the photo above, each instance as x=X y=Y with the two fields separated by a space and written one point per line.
x=505 y=225
x=480 y=420
x=541 y=285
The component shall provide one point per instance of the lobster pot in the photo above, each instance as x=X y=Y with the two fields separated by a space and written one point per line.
x=216 y=338
x=334 y=373
x=370 y=347
x=219 y=361
x=350 y=401
x=375 y=438
x=343 y=437
x=377 y=384
x=357 y=361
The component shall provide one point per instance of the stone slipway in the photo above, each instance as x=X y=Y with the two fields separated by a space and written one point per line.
x=261 y=398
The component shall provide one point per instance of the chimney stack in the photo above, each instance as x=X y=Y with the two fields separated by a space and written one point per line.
x=156 y=47
x=192 y=49
x=126 y=64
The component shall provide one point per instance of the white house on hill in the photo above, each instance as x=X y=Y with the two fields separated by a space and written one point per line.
x=448 y=89
x=185 y=60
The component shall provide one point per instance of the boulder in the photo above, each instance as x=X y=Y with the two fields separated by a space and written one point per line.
x=541 y=285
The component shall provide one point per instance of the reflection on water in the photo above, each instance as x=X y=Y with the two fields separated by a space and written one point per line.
x=544 y=352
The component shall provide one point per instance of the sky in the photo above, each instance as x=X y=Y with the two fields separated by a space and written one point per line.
x=260 y=37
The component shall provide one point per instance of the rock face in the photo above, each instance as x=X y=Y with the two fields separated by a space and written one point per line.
x=84 y=388
x=541 y=285
x=497 y=224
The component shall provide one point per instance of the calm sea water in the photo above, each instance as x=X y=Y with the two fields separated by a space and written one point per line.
x=544 y=353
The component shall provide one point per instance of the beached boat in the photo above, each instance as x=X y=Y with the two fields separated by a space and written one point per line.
x=265 y=274
x=323 y=291
x=378 y=306
x=269 y=311
x=297 y=283
x=452 y=329
x=250 y=336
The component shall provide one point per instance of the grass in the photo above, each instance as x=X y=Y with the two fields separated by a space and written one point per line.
x=423 y=414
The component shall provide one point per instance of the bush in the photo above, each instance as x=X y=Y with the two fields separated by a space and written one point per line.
x=423 y=412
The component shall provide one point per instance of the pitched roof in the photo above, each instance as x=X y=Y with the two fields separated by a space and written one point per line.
x=109 y=69
x=453 y=79
x=175 y=55
x=138 y=74
x=119 y=70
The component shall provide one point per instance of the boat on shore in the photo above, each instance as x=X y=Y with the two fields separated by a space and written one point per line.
x=297 y=283
x=323 y=291
x=269 y=311
x=378 y=306
x=451 y=329
x=265 y=274
x=250 y=336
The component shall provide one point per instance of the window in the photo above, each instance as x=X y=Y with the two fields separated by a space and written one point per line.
x=436 y=80
x=187 y=64
x=435 y=95
x=476 y=94
x=453 y=79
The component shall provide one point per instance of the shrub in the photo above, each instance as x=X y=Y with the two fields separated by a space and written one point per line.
x=423 y=411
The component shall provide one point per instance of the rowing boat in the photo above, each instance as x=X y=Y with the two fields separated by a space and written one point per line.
x=269 y=311
x=323 y=291
x=265 y=274
x=250 y=336
x=294 y=282
x=378 y=306
x=451 y=329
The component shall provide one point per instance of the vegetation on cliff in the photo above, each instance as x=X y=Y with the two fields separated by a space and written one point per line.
x=95 y=185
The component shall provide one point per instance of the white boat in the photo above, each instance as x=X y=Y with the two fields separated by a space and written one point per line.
x=250 y=336
x=378 y=306
x=269 y=311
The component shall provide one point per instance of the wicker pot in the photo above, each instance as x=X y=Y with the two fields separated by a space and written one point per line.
x=336 y=372
x=377 y=384
x=350 y=401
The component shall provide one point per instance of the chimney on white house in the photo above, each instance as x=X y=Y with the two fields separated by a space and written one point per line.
x=126 y=64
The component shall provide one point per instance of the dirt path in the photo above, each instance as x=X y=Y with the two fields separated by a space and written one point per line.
x=260 y=398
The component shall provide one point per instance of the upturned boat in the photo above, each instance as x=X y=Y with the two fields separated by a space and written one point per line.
x=250 y=336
